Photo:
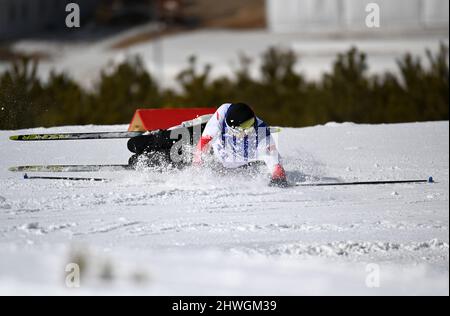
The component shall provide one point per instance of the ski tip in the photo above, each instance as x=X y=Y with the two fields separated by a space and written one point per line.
x=275 y=130
x=430 y=180
x=15 y=137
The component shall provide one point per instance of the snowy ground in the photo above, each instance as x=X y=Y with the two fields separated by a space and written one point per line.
x=202 y=234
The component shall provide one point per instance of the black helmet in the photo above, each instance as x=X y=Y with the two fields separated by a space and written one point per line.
x=239 y=114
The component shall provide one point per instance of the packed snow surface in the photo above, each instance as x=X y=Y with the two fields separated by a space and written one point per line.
x=193 y=232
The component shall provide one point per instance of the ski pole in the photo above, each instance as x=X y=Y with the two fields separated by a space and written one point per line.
x=299 y=184
x=64 y=178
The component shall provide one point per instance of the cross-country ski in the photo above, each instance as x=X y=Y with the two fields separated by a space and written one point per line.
x=74 y=136
x=70 y=168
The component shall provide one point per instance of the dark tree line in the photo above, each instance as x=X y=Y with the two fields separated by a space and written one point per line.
x=281 y=95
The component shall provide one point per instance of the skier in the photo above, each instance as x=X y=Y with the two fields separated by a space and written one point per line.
x=238 y=138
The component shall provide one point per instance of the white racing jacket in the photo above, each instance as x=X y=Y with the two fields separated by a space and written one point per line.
x=234 y=152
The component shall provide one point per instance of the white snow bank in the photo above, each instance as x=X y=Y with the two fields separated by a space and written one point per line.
x=222 y=49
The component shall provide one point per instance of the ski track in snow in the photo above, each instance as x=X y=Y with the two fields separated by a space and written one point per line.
x=204 y=233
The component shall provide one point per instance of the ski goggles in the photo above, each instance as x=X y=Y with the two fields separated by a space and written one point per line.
x=245 y=129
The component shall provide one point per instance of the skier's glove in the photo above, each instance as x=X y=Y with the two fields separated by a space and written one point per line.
x=202 y=147
x=279 y=177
